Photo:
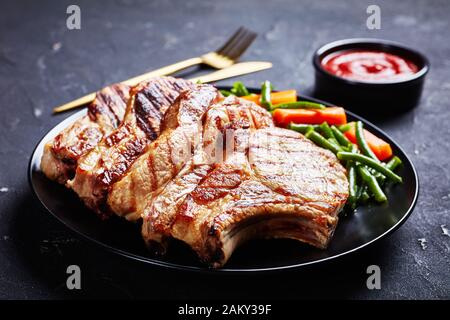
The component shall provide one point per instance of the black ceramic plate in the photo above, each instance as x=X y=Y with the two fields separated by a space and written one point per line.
x=355 y=231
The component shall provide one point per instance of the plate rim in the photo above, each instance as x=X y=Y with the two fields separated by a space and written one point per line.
x=174 y=266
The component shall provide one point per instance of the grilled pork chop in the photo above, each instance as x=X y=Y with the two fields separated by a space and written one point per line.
x=176 y=146
x=233 y=116
x=274 y=184
x=166 y=156
x=104 y=165
x=105 y=114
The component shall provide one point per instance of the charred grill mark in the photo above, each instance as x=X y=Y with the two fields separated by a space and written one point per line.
x=110 y=102
x=102 y=105
x=147 y=114
x=181 y=85
x=237 y=124
x=292 y=138
x=152 y=101
x=271 y=149
x=218 y=184
x=132 y=150
x=118 y=135
x=122 y=92
x=85 y=141
x=186 y=211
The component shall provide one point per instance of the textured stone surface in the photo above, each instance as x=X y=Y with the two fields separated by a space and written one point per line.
x=43 y=64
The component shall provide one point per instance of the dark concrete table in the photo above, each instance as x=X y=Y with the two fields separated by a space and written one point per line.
x=42 y=64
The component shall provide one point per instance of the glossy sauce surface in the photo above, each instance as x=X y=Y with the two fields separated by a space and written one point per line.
x=368 y=66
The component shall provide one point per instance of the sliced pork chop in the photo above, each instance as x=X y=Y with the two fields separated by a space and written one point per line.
x=293 y=190
x=105 y=164
x=282 y=186
x=166 y=156
x=177 y=146
x=105 y=114
x=225 y=126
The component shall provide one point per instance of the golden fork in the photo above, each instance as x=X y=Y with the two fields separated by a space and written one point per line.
x=222 y=58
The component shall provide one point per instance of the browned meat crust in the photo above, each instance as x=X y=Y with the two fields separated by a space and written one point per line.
x=104 y=115
x=166 y=156
x=104 y=165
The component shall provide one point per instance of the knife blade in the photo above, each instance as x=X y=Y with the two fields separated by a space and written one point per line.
x=235 y=70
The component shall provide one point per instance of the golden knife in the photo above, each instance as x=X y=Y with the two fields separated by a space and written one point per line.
x=235 y=70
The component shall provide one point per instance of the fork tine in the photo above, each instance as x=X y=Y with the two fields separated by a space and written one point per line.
x=230 y=40
x=233 y=43
x=242 y=45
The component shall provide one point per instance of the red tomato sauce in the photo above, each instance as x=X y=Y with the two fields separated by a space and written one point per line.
x=368 y=66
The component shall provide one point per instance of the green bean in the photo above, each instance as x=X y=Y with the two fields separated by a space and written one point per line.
x=298 y=105
x=239 y=89
x=370 y=163
x=321 y=141
x=348 y=149
x=372 y=184
x=345 y=127
x=362 y=196
x=360 y=190
x=334 y=141
x=343 y=141
x=365 y=196
x=265 y=99
x=302 y=128
x=326 y=130
x=226 y=93
x=362 y=143
x=393 y=163
x=353 y=185
x=380 y=178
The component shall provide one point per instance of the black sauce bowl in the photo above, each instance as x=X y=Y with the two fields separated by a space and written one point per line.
x=371 y=99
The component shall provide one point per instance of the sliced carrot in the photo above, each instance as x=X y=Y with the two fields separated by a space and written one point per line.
x=276 y=97
x=252 y=97
x=335 y=115
x=283 y=96
x=381 y=148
